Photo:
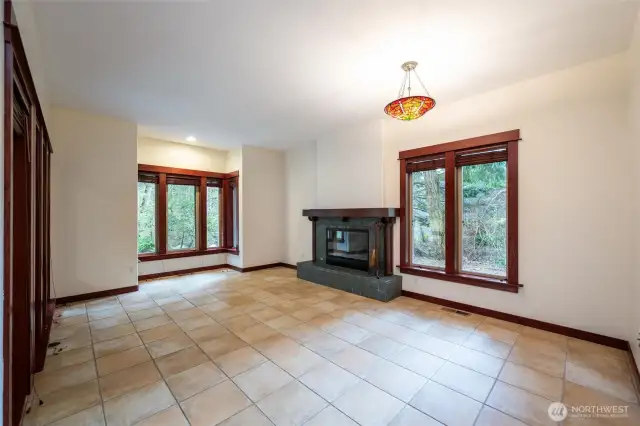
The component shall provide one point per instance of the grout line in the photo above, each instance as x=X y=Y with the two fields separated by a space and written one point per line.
x=95 y=365
x=155 y=364
x=225 y=288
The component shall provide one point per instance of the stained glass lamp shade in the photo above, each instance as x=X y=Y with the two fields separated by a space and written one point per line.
x=409 y=107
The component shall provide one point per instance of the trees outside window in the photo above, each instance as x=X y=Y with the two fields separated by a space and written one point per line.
x=213 y=216
x=460 y=211
x=484 y=219
x=146 y=217
x=427 y=220
x=186 y=212
x=181 y=217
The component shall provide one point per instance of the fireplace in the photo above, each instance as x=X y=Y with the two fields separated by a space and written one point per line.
x=348 y=248
x=353 y=251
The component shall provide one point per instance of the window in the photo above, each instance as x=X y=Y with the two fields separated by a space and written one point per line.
x=181 y=217
x=460 y=207
x=427 y=220
x=213 y=216
x=147 y=214
x=186 y=212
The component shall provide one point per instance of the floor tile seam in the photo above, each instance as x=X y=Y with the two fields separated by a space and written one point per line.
x=163 y=379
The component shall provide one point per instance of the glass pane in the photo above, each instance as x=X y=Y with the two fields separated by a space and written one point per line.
x=213 y=216
x=181 y=217
x=236 y=230
x=427 y=220
x=484 y=218
x=146 y=217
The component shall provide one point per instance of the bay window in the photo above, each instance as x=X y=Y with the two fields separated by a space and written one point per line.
x=184 y=212
x=460 y=211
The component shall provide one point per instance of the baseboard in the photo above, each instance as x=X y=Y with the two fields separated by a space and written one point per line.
x=267 y=266
x=541 y=325
x=183 y=272
x=288 y=265
x=122 y=290
x=96 y=295
x=214 y=267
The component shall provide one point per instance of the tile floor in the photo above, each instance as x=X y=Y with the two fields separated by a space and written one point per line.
x=265 y=348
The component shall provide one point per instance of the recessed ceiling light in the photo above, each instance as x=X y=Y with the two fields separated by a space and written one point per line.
x=191 y=138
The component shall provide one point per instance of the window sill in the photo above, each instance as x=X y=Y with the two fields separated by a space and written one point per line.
x=474 y=280
x=190 y=253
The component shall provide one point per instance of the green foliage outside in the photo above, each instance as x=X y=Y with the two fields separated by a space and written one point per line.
x=181 y=217
x=213 y=214
x=146 y=217
x=484 y=243
x=427 y=221
x=484 y=229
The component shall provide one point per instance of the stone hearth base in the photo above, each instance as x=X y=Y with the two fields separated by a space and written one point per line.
x=384 y=289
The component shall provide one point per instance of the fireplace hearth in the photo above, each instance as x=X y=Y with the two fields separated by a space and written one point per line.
x=353 y=251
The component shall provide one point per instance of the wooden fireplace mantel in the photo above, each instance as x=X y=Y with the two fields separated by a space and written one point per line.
x=372 y=212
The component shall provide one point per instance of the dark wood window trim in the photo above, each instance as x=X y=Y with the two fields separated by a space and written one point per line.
x=444 y=155
x=227 y=182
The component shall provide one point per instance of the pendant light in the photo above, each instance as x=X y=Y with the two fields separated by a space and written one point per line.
x=410 y=107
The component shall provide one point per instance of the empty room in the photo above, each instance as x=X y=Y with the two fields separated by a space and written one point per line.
x=329 y=213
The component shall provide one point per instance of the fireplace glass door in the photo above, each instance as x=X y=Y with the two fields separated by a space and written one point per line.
x=348 y=248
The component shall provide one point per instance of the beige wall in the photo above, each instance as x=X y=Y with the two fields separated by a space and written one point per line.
x=263 y=206
x=170 y=154
x=634 y=118
x=93 y=202
x=301 y=193
x=575 y=245
x=351 y=158
x=575 y=253
x=233 y=162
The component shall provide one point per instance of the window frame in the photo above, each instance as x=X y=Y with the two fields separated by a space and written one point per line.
x=453 y=245
x=228 y=227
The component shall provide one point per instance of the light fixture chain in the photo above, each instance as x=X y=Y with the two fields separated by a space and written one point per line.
x=421 y=83
x=402 y=86
x=409 y=76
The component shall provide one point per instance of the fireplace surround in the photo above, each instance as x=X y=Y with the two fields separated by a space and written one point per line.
x=353 y=251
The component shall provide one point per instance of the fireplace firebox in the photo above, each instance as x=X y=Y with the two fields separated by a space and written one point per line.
x=348 y=248
x=353 y=251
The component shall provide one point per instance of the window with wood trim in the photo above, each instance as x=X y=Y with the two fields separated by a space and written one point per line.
x=460 y=211
x=185 y=212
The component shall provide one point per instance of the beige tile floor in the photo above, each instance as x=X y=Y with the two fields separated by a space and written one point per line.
x=265 y=348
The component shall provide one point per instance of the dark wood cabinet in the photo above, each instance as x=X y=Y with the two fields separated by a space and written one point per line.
x=28 y=305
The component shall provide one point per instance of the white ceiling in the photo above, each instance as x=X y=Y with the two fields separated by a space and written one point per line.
x=280 y=72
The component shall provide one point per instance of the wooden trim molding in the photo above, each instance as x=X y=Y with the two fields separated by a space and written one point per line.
x=182 y=272
x=228 y=184
x=184 y=172
x=96 y=295
x=261 y=267
x=541 y=325
x=213 y=268
x=450 y=215
x=374 y=212
x=149 y=257
x=288 y=265
x=475 y=280
x=477 y=142
x=447 y=155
